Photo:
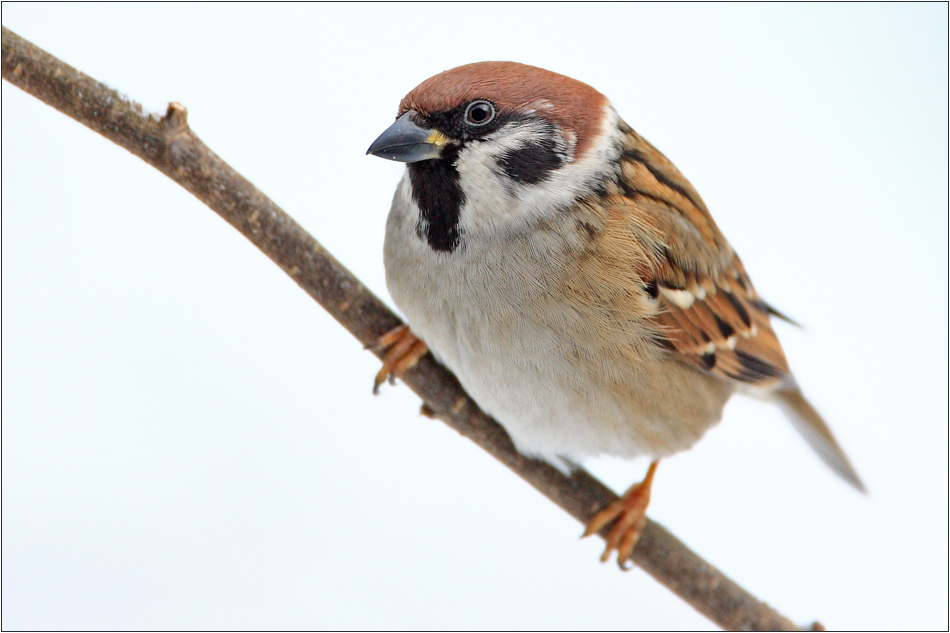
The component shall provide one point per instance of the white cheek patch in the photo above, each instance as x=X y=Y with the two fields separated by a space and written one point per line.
x=495 y=201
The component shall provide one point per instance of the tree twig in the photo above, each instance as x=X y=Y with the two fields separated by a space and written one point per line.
x=168 y=144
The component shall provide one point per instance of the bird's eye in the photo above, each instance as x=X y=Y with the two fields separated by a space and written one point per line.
x=479 y=113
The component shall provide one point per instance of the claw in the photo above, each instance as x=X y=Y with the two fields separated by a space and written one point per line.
x=389 y=338
x=629 y=512
x=403 y=352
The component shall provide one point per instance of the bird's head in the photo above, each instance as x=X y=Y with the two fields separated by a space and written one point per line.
x=497 y=145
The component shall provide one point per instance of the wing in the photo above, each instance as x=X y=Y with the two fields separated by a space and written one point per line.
x=718 y=324
x=710 y=315
x=708 y=312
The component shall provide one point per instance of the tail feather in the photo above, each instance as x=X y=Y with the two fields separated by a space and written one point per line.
x=812 y=427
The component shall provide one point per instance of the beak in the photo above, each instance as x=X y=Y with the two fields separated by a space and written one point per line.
x=407 y=142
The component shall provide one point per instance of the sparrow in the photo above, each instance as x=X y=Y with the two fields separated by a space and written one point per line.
x=572 y=279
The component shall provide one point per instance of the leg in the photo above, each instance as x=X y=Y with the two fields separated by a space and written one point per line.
x=630 y=514
x=403 y=351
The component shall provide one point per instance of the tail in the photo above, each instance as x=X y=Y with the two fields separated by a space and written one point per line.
x=808 y=422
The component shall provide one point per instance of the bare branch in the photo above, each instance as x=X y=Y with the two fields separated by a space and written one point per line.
x=169 y=145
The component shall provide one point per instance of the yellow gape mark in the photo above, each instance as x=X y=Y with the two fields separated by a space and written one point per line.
x=437 y=138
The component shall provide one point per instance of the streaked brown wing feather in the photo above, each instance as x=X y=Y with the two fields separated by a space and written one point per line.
x=727 y=333
x=709 y=313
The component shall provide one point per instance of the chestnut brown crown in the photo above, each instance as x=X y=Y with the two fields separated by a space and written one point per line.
x=513 y=87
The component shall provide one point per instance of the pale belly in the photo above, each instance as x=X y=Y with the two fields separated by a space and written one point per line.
x=561 y=386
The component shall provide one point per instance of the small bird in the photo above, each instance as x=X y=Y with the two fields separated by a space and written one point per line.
x=572 y=279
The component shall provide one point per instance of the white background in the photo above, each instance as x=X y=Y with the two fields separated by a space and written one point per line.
x=190 y=442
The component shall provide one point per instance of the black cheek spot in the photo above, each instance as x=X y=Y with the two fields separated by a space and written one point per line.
x=532 y=163
x=709 y=360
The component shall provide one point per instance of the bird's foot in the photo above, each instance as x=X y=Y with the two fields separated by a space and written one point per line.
x=630 y=514
x=403 y=351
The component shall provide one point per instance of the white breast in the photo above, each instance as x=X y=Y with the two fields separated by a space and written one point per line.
x=490 y=312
